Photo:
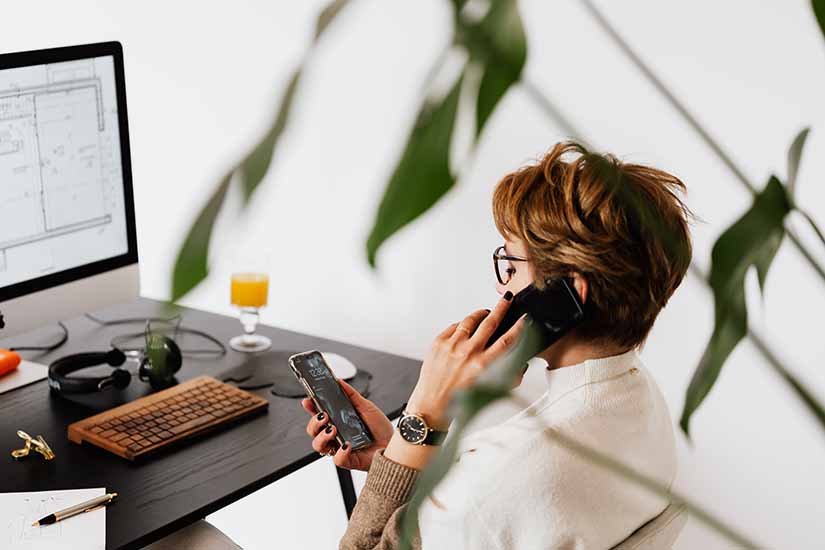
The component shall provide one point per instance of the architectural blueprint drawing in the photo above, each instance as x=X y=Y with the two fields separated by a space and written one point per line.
x=60 y=174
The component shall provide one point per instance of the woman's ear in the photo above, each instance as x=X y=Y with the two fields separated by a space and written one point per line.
x=581 y=286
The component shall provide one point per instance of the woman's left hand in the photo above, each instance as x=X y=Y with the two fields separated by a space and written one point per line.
x=456 y=358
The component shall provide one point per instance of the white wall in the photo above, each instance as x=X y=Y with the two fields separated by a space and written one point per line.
x=203 y=79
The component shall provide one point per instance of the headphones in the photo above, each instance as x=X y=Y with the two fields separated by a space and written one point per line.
x=159 y=360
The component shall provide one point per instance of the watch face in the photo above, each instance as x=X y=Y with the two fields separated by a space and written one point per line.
x=413 y=429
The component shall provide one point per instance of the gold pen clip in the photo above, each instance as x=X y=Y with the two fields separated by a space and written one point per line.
x=38 y=444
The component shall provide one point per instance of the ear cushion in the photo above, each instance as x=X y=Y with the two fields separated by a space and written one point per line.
x=163 y=359
x=115 y=357
x=120 y=378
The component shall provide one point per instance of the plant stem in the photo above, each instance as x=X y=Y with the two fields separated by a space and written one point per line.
x=550 y=109
x=692 y=121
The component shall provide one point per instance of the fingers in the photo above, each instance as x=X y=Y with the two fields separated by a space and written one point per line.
x=469 y=324
x=351 y=392
x=325 y=440
x=447 y=332
x=507 y=339
x=317 y=423
x=489 y=324
x=309 y=405
x=341 y=457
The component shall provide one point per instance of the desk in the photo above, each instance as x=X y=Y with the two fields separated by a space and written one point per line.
x=178 y=487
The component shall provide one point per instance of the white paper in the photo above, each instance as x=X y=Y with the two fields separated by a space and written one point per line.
x=19 y=510
x=25 y=373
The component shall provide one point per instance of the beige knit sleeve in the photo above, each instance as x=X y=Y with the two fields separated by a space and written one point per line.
x=375 y=523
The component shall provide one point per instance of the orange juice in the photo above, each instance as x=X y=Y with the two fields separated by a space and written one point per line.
x=249 y=289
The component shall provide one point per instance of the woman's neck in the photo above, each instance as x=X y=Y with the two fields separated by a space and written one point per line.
x=565 y=354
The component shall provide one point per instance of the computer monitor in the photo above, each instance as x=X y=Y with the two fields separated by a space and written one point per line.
x=67 y=218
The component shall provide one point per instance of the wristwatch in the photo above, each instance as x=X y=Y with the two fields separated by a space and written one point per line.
x=414 y=429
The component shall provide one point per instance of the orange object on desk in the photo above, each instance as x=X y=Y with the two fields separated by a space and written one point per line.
x=8 y=361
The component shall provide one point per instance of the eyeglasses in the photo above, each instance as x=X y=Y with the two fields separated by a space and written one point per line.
x=501 y=263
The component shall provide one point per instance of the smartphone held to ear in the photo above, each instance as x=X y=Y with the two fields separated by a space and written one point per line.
x=555 y=310
x=320 y=384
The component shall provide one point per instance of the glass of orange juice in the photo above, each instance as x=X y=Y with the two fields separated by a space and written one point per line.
x=249 y=292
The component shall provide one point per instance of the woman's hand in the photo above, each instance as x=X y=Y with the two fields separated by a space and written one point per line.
x=324 y=441
x=456 y=358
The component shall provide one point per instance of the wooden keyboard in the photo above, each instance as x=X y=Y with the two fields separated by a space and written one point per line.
x=156 y=421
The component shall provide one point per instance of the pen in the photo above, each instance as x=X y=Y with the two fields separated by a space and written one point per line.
x=87 y=506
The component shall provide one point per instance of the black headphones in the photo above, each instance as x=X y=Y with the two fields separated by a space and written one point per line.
x=160 y=359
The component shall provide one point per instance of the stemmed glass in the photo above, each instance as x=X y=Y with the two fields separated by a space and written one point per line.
x=249 y=292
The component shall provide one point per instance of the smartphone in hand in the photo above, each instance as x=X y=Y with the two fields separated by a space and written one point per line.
x=555 y=310
x=320 y=384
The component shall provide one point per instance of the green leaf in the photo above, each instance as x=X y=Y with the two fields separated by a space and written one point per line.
x=423 y=175
x=794 y=156
x=819 y=12
x=751 y=241
x=328 y=14
x=254 y=167
x=499 y=44
x=191 y=264
x=765 y=255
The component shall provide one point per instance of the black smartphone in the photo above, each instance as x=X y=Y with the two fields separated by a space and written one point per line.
x=320 y=384
x=555 y=309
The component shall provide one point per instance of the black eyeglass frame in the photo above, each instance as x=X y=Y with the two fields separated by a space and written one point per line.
x=497 y=257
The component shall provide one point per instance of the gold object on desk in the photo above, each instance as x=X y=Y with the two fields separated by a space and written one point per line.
x=88 y=506
x=38 y=444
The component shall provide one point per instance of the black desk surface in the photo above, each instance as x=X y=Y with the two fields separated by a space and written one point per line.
x=189 y=481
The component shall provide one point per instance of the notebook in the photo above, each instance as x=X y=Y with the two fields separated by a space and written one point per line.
x=19 y=510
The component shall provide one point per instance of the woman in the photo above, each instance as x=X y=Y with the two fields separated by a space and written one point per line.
x=619 y=232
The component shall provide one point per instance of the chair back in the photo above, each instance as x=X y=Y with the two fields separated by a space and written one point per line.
x=659 y=533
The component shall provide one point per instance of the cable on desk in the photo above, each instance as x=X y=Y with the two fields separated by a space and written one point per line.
x=48 y=348
x=130 y=320
x=121 y=339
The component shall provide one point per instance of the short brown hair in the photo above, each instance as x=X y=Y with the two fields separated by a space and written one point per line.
x=621 y=226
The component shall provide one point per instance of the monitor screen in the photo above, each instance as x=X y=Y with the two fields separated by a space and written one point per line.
x=63 y=198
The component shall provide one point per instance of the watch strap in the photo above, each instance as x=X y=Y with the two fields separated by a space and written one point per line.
x=435 y=437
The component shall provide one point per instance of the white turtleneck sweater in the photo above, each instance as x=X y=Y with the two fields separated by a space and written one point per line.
x=513 y=488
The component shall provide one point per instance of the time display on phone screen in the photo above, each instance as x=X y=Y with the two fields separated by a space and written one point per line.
x=329 y=394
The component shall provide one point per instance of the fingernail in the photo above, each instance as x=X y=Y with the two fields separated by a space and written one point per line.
x=320 y=416
x=508 y=295
x=487 y=310
x=328 y=429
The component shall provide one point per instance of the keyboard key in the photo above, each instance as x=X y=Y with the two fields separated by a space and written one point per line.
x=192 y=424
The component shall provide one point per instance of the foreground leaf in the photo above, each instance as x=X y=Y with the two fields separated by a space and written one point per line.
x=191 y=265
x=819 y=13
x=327 y=15
x=255 y=165
x=751 y=241
x=794 y=156
x=498 y=43
x=423 y=174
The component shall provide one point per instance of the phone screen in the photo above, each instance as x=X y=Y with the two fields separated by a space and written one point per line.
x=328 y=394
